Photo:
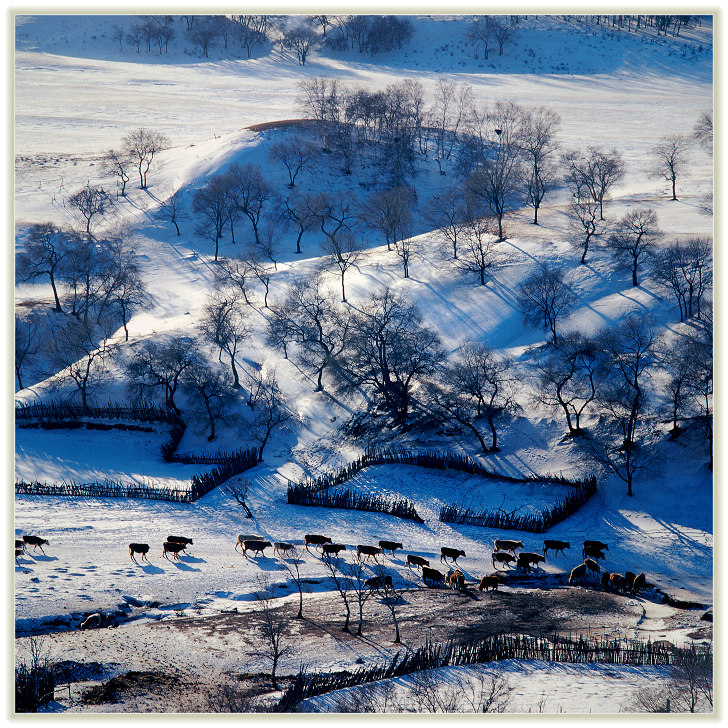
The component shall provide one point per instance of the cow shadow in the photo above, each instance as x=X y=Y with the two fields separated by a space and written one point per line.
x=194 y=560
x=182 y=566
x=151 y=569
x=265 y=563
x=43 y=557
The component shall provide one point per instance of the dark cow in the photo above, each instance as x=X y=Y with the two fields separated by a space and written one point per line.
x=316 y=540
x=378 y=582
x=489 y=582
x=592 y=552
x=555 y=546
x=618 y=582
x=138 y=548
x=281 y=547
x=180 y=539
x=418 y=561
x=19 y=544
x=527 y=559
x=331 y=549
x=257 y=546
x=18 y=552
x=577 y=573
x=170 y=547
x=640 y=582
x=605 y=580
x=390 y=546
x=243 y=537
x=592 y=565
x=629 y=577
x=501 y=557
x=502 y=544
x=448 y=553
x=36 y=542
x=432 y=575
x=596 y=545
x=368 y=551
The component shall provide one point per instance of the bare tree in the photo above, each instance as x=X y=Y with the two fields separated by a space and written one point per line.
x=392 y=600
x=593 y=173
x=294 y=154
x=703 y=131
x=239 y=491
x=448 y=213
x=252 y=30
x=450 y=112
x=504 y=31
x=701 y=380
x=292 y=564
x=544 y=299
x=390 y=212
x=249 y=192
x=225 y=324
x=135 y=36
x=342 y=585
x=203 y=34
x=299 y=213
x=273 y=411
x=172 y=209
x=357 y=577
x=630 y=354
x=235 y=273
x=584 y=224
x=389 y=350
x=568 y=377
x=117 y=163
x=686 y=268
x=480 y=32
x=90 y=202
x=337 y=217
x=118 y=34
x=480 y=250
x=81 y=351
x=486 y=382
x=160 y=364
x=310 y=320
x=210 y=390
x=143 y=145
x=301 y=41
x=211 y=204
x=28 y=342
x=259 y=269
x=497 y=182
x=272 y=630
x=670 y=159
x=320 y=100
x=536 y=139
x=43 y=254
x=634 y=239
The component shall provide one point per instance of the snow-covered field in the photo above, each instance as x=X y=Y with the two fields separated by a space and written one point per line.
x=76 y=94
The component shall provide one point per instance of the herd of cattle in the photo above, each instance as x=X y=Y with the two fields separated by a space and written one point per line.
x=503 y=556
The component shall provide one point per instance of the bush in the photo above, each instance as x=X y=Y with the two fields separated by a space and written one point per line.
x=34 y=680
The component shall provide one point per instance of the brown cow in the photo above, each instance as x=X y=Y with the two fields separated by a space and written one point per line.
x=331 y=549
x=418 y=561
x=20 y=544
x=390 y=546
x=368 y=551
x=315 y=539
x=432 y=575
x=578 y=572
x=456 y=579
x=138 y=548
x=36 y=542
x=256 y=546
x=448 y=553
x=640 y=582
x=592 y=565
x=180 y=539
x=501 y=557
x=379 y=581
x=605 y=580
x=525 y=559
x=489 y=582
x=501 y=544
x=629 y=577
x=618 y=582
x=555 y=546
x=281 y=547
x=170 y=547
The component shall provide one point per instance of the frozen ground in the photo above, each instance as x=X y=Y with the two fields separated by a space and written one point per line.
x=76 y=95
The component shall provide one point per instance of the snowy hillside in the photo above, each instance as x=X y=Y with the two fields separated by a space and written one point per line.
x=81 y=85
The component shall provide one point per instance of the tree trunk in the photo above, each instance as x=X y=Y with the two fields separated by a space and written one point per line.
x=17 y=374
x=58 y=308
x=494 y=445
x=674 y=179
